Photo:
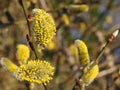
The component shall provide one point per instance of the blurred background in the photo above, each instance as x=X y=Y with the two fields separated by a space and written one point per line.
x=92 y=24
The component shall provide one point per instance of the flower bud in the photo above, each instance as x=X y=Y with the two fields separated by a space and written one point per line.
x=7 y=64
x=22 y=53
x=113 y=35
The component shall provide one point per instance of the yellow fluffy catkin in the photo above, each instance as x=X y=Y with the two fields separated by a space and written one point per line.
x=43 y=26
x=90 y=74
x=7 y=64
x=35 y=71
x=22 y=53
x=82 y=52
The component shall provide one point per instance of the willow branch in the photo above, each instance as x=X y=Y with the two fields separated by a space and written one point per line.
x=101 y=53
x=110 y=39
x=29 y=24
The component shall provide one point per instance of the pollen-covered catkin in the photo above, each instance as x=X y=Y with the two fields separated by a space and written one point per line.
x=83 y=52
x=43 y=26
x=35 y=71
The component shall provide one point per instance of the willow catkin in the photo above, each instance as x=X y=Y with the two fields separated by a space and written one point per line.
x=43 y=26
x=7 y=64
x=83 y=52
x=23 y=53
x=90 y=74
x=35 y=71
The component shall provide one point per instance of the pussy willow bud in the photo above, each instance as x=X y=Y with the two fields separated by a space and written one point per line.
x=22 y=53
x=83 y=52
x=43 y=26
x=113 y=35
x=90 y=74
x=7 y=64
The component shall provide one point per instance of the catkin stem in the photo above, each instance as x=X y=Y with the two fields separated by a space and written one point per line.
x=101 y=53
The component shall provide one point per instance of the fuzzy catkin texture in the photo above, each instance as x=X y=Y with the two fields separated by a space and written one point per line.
x=82 y=52
x=7 y=64
x=35 y=71
x=23 y=52
x=90 y=74
x=43 y=26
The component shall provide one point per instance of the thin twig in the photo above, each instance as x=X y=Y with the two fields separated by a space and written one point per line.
x=29 y=24
x=110 y=39
x=101 y=53
x=26 y=16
